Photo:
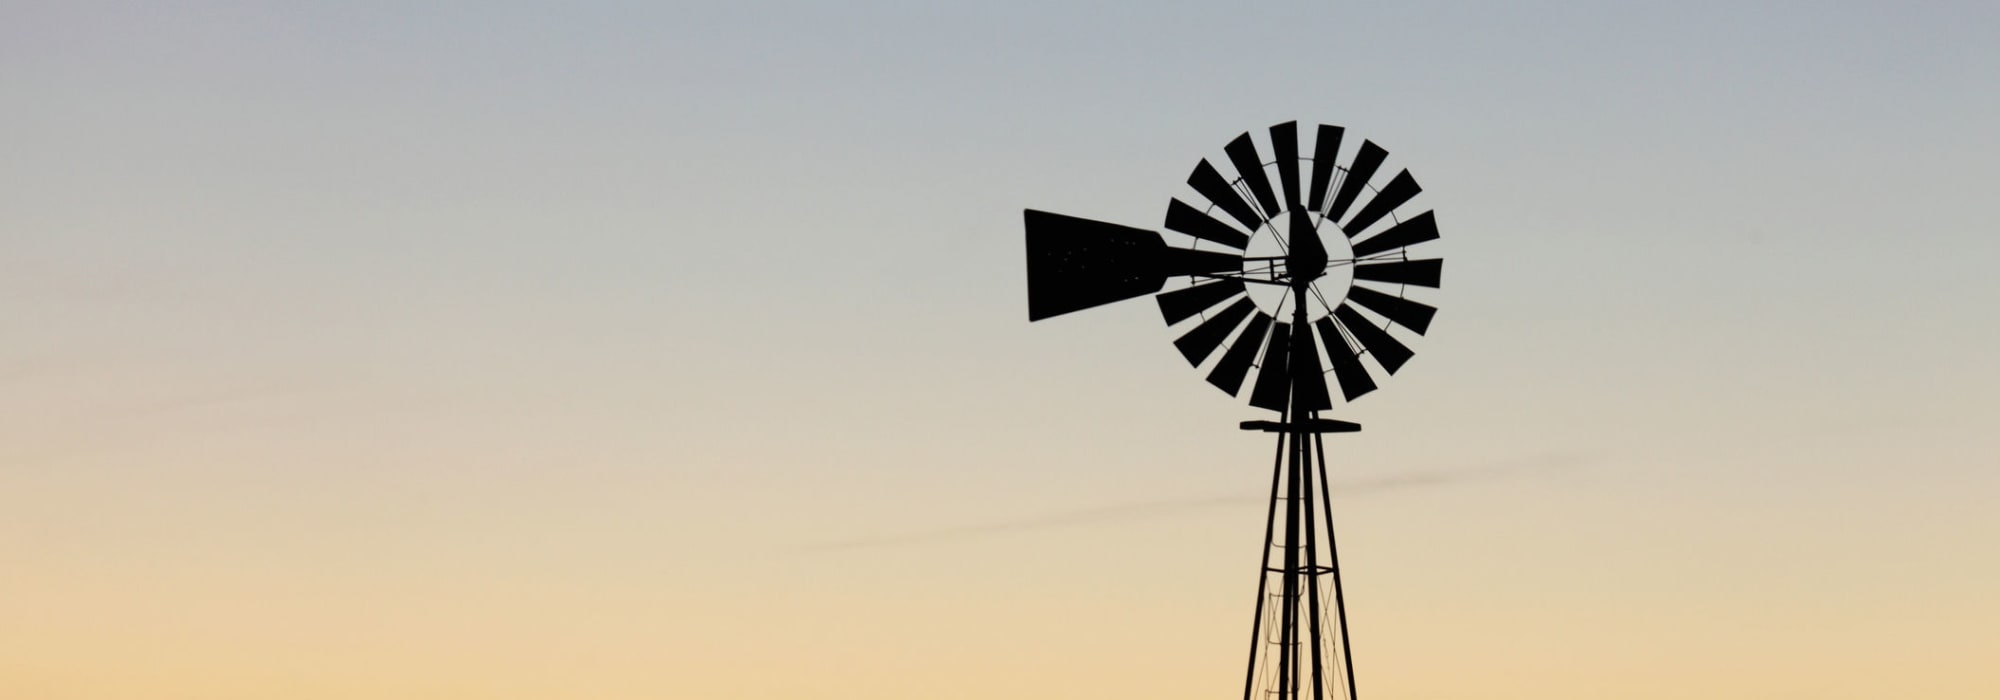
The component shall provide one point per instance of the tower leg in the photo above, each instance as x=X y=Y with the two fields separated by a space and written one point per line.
x=1333 y=563
x=1263 y=575
x=1312 y=582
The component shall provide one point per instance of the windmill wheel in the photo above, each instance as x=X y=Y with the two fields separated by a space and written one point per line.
x=1283 y=237
x=1257 y=249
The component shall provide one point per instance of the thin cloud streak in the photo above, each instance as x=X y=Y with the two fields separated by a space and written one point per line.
x=1158 y=509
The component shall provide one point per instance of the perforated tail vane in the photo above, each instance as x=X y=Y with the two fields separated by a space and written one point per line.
x=1075 y=263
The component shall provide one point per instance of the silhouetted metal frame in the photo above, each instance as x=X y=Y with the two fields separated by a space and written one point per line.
x=1299 y=460
x=1078 y=263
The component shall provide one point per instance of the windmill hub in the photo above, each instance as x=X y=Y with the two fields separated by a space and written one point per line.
x=1305 y=261
x=1294 y=253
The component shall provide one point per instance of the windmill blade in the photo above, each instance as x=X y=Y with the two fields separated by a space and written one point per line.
x=1201 y=342
x=1212 y=185
x=1182 y=304
x=1405 y=313
x=1243 y=154
x=1235 y=363
x=1387 y=350
x=1075 y=264
x=1366 y=161
x=1184 y=218
x=1423 y=273
x=1326 y=150
x=1395 y=194
x=1274 y=378
x=1285 y=150
x=1308 y=378
x=1420 y=228
x=1347 y=369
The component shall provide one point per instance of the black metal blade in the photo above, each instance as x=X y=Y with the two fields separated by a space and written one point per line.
x=1347 y=369
x=1387 y=350
x=1075 y=264
x=1395 y=194
x=1218 y=191
x=1417 y=229
x=1201 y=342
x=1423 y=273
x=1235 y=363
x=1243 y=154
x=1274 y=377
x=1181 y=304
x=1285 y=150
x=1326 y=150
x=1366 y=161
x=1405 y=313
x=1184 y=218
x=1308 y=378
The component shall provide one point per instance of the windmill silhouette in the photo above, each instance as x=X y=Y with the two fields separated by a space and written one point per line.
x=1294 y=283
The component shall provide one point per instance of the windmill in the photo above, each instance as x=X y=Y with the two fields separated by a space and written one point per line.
x=1298 y=282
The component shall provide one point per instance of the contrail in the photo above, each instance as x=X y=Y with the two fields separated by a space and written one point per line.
x=1155 y=509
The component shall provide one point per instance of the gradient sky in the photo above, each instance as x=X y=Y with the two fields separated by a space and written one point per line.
x=630 y=350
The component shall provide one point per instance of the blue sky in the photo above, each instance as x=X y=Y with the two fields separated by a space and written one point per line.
x=477 y=336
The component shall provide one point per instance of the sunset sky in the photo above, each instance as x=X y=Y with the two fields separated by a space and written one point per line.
x=671 y=350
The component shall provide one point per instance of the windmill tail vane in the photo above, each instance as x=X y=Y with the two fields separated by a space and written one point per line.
x=1288 y=289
